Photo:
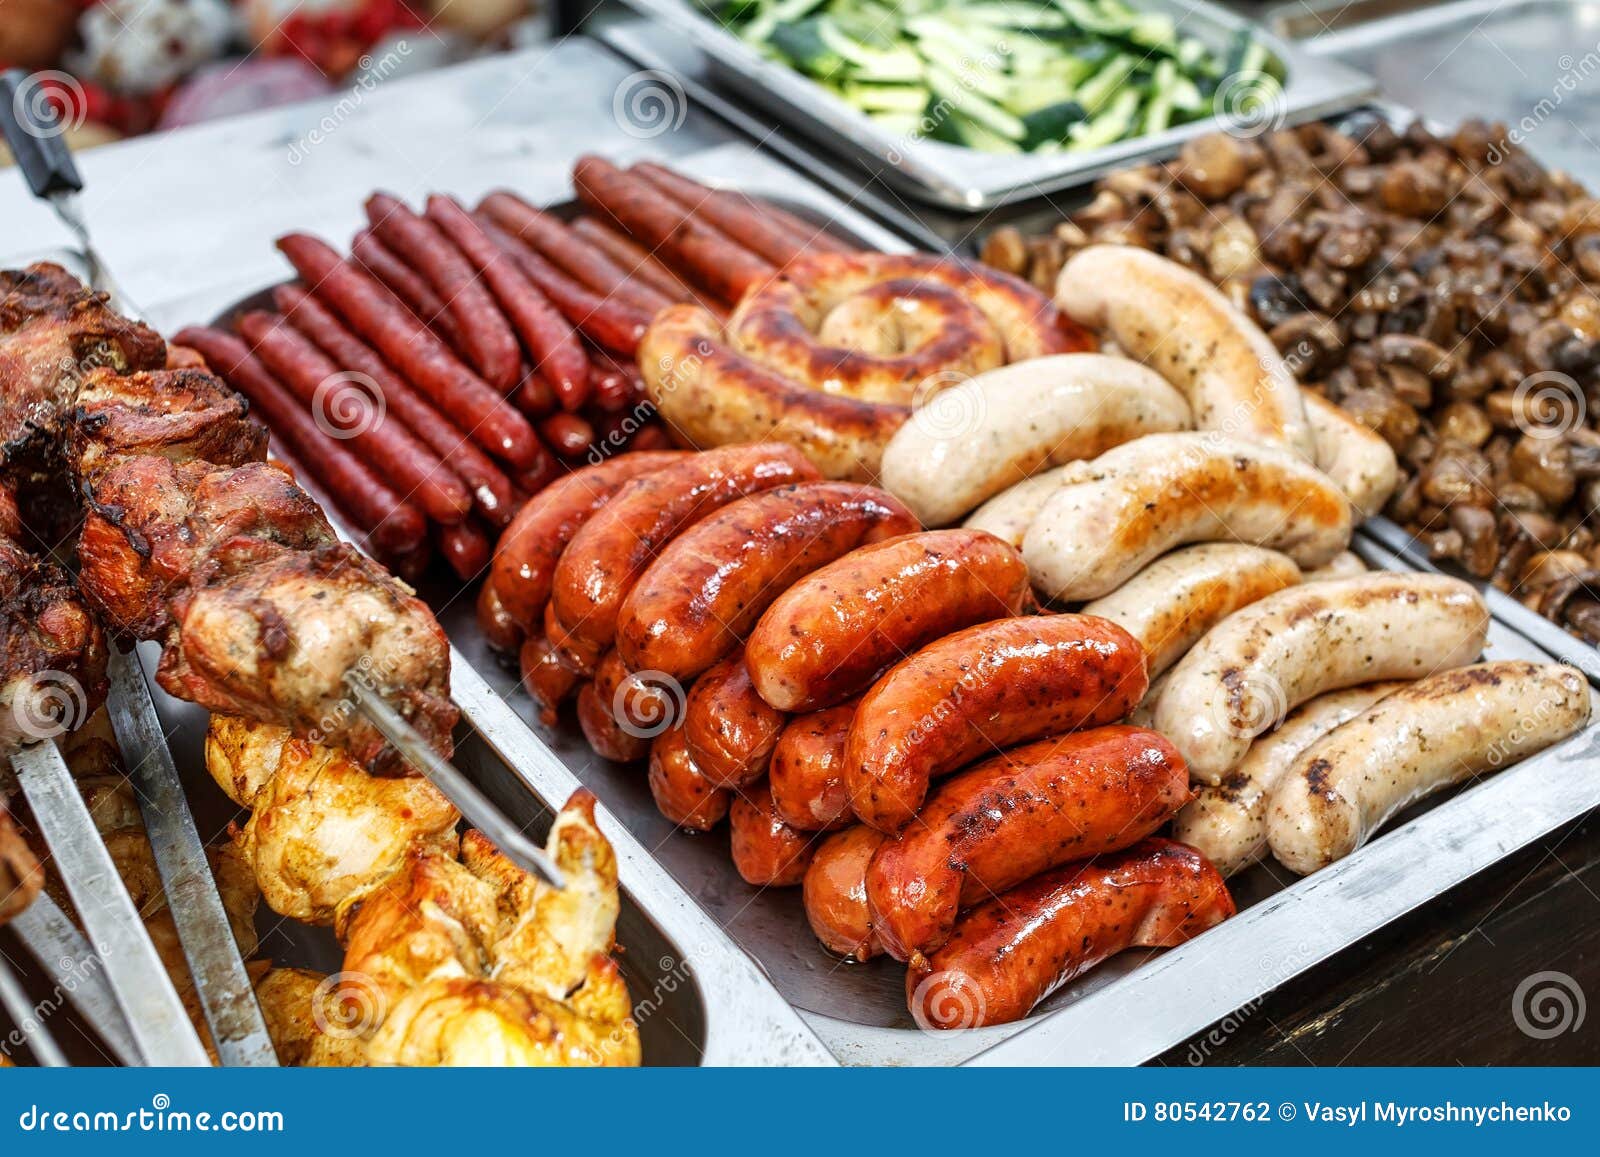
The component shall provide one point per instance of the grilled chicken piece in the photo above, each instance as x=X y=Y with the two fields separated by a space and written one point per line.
x=322 y=832
x=155 y=528
x=184 y=415
x=52 y=652
x=21 y=877
x=477 y=962
x=289 y=999
x=272 y=638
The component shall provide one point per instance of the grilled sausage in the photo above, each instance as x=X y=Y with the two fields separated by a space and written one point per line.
x=1010 y=953
x=747 y=223
x=550 y=681
x=766 y=851
x=612 y=549
x=525 y=559
x=1343 y=565
x=1173 y=602
x=1263 y=661
x=835 y=893
x=1008 y=514
x=1228 y=823
x=1360 y=462
x=1439 y=731
x=1178 y=323
x=989 y=686
x=681 y=791
x=973 y=440
x=828 y=636
x=706 y=589
x=1138 y=501
x=729 y=729
x=713 y=396
x=605 y=716
x=1021 y=813
x=807 y=770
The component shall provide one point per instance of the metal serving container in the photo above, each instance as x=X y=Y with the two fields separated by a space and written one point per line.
x=966 y=178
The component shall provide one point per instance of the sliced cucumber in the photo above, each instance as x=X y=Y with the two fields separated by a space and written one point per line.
x=1110 y=126
x=1098 y=91
x=948 y=87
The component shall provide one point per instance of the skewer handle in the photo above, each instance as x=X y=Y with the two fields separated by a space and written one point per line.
x=34 y=130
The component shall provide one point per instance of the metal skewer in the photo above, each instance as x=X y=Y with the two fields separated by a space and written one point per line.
x=479 y=810
x=77 y=972
x=24 y=1015
x=226 y=995
x=154 y=1013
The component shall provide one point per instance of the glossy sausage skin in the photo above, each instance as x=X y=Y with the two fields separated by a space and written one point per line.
x=609 y=553
x=1010 y=953
x=730 y=730
x=766 y=851
x=989 y=686
x=550 y=681
x=681 y=791
x=835 y=893
x=600 y=707
x=807 y=770
x=708 y=587
x=828 y=636
x=1021 y=813
x=525 y=558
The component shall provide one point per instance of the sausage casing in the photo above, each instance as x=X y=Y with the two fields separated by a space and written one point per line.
x=707 y=588
x=766 y=851
x=807 y=770
x=1437 y=732
x=1265 y=660
x=989 y=686
x=680 y=789
x=829 y=635
x=1023 y=812
x=1010 y=953
x=835 y=892
x=729 y=729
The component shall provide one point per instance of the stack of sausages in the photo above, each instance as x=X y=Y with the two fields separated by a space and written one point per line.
x=459 y=361
x=796 y=656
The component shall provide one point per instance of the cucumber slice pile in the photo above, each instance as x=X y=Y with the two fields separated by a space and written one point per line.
x=1003 y=76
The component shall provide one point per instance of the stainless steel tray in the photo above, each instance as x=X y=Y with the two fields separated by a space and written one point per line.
x=1126 y=1012
x=698 y=998
x=967 y=179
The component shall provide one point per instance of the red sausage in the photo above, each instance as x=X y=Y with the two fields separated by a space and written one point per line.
x=567 y=434
x=575 y=256
x=612 y=324
x=835 y=893
x=491 y=489
x=491 y=347
x=637 y=260
x=681 y=791
x=404 y=282
x=987 y=687
x=328 y=393
x=619 y=715
x=558 y=354
x=412 y=349
x=734 y=215
x=550 y=681
x=705 y=590
x=607 y=556
x=466 y=547
x=525 y=559
x=730 y=732
x=807 y=770
x=1010 y=953
x=829 y=635
x=1026 y=811
x=766 y=851
x=724 y=267
x=394 y=526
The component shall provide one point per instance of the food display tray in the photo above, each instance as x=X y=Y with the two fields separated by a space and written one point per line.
x=964 y=178
x=756 y=965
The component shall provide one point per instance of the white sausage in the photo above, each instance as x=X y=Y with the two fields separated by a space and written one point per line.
x=1342 y=565
x=1359 y=461
x=1178 y=323
x=1175 y=600
x=1144 y=715
x=1138 y=501
x=1435 y=733
x=971 y=441
x=1228 y=823
x=1260 y=663
x=1009 y=514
